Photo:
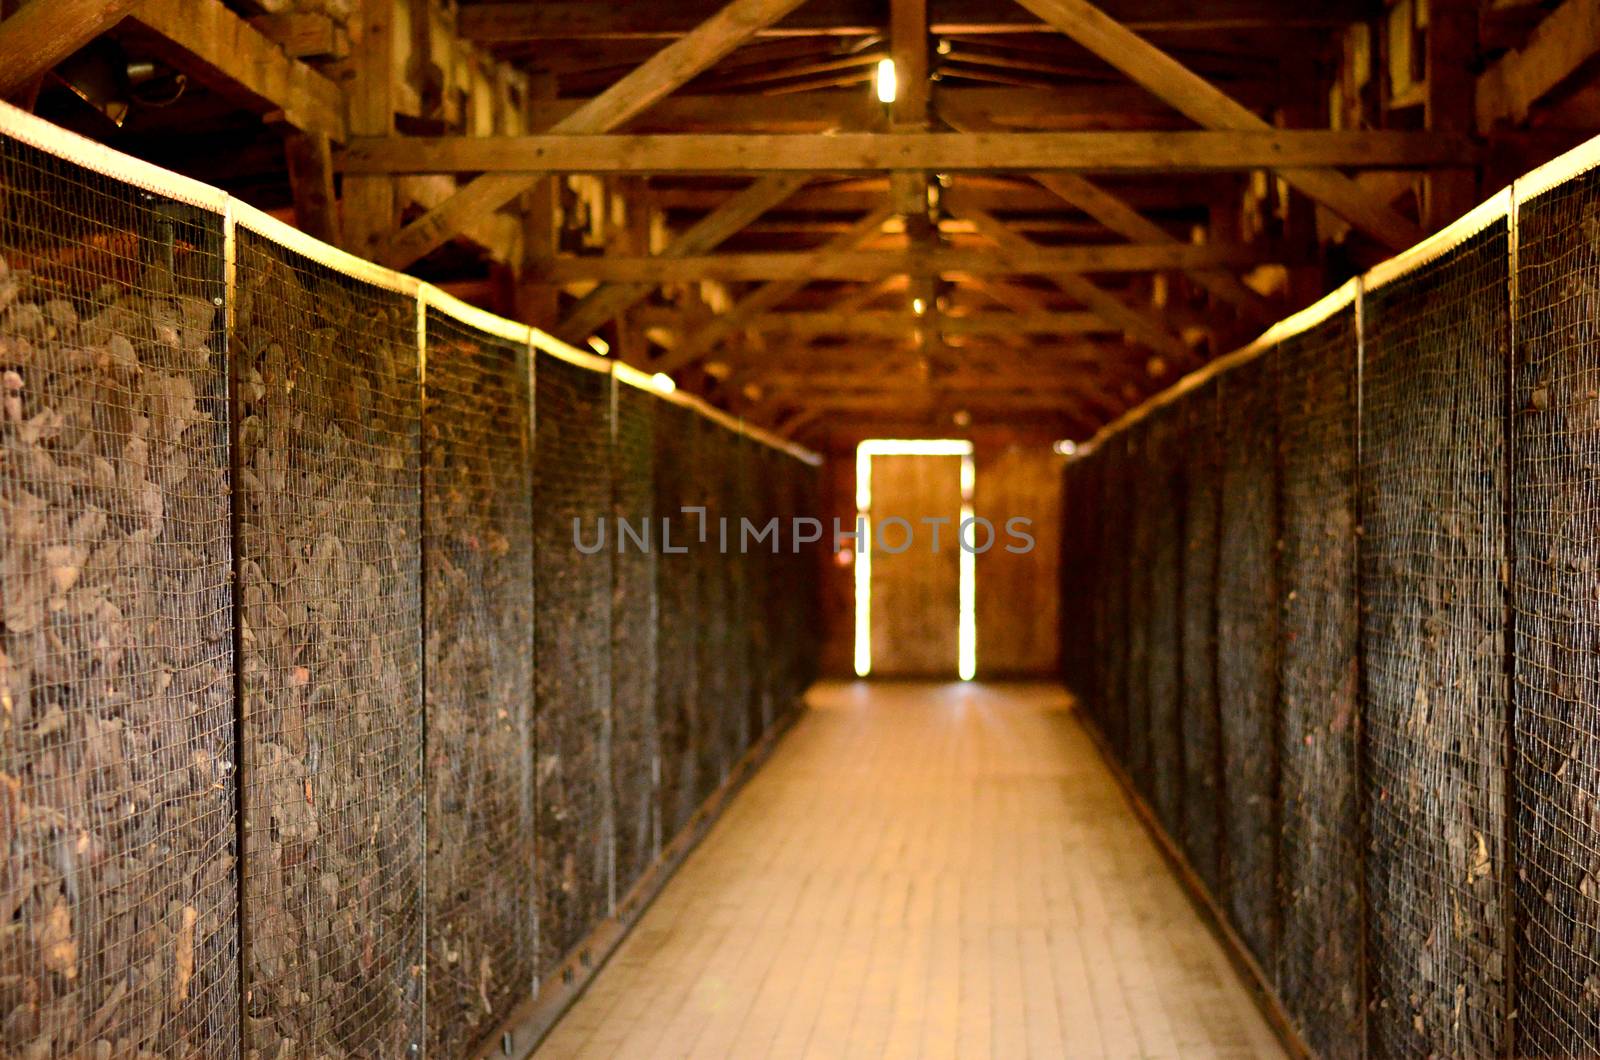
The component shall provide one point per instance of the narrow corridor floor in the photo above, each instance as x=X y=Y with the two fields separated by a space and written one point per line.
x=922 y=871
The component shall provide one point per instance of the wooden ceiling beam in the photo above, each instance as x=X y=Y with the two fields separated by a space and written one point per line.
x=651 y=19
x=40 y=35
x=609 y=301
x=891 y=324
x=670 y=68
x=931 y=261
x=1120 y=217
x=767 y=297
x=1565 y=41
x=1064 y=107
x=516 y=157
x=1195 y=97
x=217 y=48
x=1139 y=325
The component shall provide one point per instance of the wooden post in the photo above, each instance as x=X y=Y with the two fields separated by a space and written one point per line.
x=310 y=160
x=369 y=202
x=1452 y=46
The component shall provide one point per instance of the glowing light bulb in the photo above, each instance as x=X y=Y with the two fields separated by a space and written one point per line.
x=599 y=345
x=918 y=306
x=887 y=81
x=663 y=382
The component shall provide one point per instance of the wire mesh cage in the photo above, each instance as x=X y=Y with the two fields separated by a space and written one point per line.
x=733 y=504
x=1139 y=547
x=1320 y=972
x=763 y=592
x=478 y=638
x=1199 y=724
x=677 y=701
x=572 y=633
x=117 y=740
x=713 y=638
x=1163 y=510
x=1556 y=618
x=1432 y=499
x=1247 y=647
x=1111 y=598
x=634 y=619
x=329 y=513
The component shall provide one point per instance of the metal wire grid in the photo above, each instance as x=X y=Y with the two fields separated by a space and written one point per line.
x=1163 y=509
x=118 y=892
x=572 y=631
x=765 y=591
x=1111 y=599
x=677 y=700
x=733 y=504
x=1075 y=567
x=1247 y=648
x=1432 y=498
x=1199 y=724
x=1320 y=974
x=713 y=642
x=634 y=620
x=330 y=585
x=1556 y=616
x=1139 y=547
x=809 y=477
x=478 y=637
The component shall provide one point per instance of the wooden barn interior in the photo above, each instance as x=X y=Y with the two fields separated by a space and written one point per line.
x=1245 y=354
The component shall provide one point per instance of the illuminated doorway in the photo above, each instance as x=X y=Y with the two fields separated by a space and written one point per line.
x=914 y=603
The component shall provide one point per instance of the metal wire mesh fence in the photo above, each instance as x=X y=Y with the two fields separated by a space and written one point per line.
x=1556 y=619
x=117 y=744
x=572 y=629
x=634 y=623
x=1320 y=973
x=1163 y=509
x=319 y=733
x=1247 y=647
x=478 y=638
x=1139 y=496
x=330 y=558
x=1433 y=649
x=678 y=702
x=1199 y=725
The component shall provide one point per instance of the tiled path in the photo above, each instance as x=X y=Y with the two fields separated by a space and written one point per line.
x=921 y=871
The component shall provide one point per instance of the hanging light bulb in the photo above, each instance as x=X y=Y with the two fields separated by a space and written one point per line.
x=887 y=81
x=663 y=382
x=918 y=306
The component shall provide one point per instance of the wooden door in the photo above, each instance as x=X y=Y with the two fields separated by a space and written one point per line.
x=916 y=594
x=1018 y=593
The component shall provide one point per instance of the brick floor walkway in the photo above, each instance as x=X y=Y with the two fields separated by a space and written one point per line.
x=922 y=870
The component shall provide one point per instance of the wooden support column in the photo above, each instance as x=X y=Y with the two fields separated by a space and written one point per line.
x=310 y=160
x=537 y=301
x=369 y=201
x=1452 y=47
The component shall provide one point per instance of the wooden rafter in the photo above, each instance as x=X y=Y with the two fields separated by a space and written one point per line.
x=633 y=19
x=609 y=301
x=1120 y=217
x=673 y=66
x=1088 y=152
x=897 y=324
x=1567 y=39
x=1139 y=325
x=43 y=33
x=218 y=48
x=872 y=264
x=1199 y=100
x=767 y=297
